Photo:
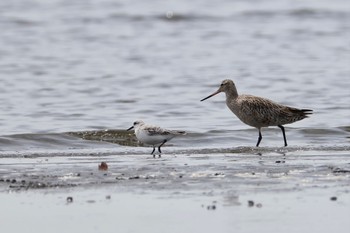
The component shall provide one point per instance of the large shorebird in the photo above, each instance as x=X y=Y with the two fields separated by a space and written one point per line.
x=153 y=135
x=259 y=112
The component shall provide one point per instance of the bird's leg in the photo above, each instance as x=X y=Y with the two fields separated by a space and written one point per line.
x=259 y=138
x=160 y=146
x=284 y=134
x=154 y=148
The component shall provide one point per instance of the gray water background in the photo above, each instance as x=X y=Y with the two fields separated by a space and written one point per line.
x=95 y=65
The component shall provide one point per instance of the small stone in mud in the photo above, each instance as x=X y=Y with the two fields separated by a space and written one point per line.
x=211 y=207
x=250 y=203
x=69 y=199
x=13 y=181
x=180 y=176
x=334 y=198
x=134 y=177
x=103 y=166
x=259 y=205
x=23 y=181
x=108 y=197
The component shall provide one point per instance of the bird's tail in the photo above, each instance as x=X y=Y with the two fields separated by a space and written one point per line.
x=306 y=112
x=295 y=114
x=298 y=114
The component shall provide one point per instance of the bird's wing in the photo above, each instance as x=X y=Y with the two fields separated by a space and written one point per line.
x=155 y=130
x=270 y=112
x=259 y=106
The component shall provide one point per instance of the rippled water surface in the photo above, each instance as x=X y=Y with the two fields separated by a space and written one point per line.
x=74 y=75
x=71 y=66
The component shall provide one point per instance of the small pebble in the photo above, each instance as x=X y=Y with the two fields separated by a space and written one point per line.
x=250 y=203
x=103 y=166
x=69 y=199
x=333 y=198
x=108 y=197
x=259 y=205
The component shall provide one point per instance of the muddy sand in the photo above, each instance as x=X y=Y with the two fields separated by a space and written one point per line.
x=262 y=190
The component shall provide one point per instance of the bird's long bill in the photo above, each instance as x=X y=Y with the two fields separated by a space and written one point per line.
x=215 y=93
x=130 y=128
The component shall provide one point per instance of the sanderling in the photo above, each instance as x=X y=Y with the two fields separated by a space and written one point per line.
x=259 y=112
x=154 y=135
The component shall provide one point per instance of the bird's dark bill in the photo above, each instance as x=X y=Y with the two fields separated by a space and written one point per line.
x=130 y=128
x=217 y=92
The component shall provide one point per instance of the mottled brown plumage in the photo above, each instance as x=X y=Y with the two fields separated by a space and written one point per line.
x=259 y=112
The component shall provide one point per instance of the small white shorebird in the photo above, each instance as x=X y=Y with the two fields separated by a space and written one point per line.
x=153 y=135
x=259 y=112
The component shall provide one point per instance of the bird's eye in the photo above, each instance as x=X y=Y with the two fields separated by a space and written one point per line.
x=135 y=123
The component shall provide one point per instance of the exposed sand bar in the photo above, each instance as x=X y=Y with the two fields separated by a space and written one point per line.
x=298 y=191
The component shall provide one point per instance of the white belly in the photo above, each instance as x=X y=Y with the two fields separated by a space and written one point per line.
x=154 y=140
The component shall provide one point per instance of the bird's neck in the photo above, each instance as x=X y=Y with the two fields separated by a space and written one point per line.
x=231 y=93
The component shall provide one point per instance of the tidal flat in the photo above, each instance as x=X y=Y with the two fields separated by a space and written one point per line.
x=267 y=189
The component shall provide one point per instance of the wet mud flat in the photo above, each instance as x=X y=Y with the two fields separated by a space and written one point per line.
x=266 y=190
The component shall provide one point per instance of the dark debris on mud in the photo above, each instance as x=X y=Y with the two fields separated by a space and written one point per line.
x=13 y=184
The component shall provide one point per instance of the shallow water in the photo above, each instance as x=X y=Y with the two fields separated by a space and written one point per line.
x=72 y=66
